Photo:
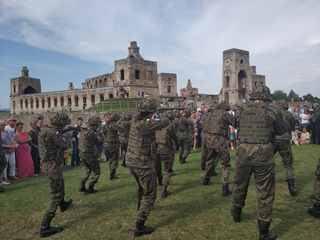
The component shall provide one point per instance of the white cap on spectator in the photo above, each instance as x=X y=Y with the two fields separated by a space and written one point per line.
x=199 y=109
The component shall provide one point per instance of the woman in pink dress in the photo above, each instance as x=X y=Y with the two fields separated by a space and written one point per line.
x=24 y=160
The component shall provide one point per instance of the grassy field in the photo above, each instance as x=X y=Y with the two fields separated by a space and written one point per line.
x=118 y=104
x=193 y=211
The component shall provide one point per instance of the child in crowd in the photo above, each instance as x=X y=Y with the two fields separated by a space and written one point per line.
x=305 y=137
x=294 y=137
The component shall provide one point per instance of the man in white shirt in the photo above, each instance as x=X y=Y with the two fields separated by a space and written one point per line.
x=11 y=125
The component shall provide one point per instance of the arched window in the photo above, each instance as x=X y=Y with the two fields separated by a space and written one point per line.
x=29 y=90
x=61 y=101
x=42 y=102
x=96 y=84
x=14 y=104
x=37 y=103
x=21 y=104
x=101 y=97
x=169 y=89
x=69 y=102
x=31 y=103
x=55 y=102
x=26 y=103
x=100 y=83
x=92 y=100
x=49 y=102
x=14 y=88
x=76 y=101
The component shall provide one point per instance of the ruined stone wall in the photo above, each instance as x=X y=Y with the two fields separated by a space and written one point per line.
x=167 y=84
x=104 y=80
x=26 y=119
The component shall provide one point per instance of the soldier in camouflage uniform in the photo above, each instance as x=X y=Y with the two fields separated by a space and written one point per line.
x=257 y=124
x=185 y=130
x=165 y=139
x=52 y=145
x=139 y=162
x=111 y=143
x=315 y=196
x=3 y=162
x=89 y=142
x=204 y=134
x=124 y=137
x=217 y=144
x=282 y=144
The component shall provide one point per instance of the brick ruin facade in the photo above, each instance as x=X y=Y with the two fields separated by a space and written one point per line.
x=132 y=75
x=238 y=77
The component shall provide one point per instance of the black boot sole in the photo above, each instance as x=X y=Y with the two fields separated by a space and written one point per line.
x=43 y=235
x=235 y=217
x=136 y=234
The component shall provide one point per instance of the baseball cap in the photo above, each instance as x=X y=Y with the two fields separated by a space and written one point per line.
x=198 y=109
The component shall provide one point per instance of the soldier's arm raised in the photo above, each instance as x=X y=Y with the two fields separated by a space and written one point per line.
x=118 y=128
x=62 y=141
x=96 y=138
x=152 y=126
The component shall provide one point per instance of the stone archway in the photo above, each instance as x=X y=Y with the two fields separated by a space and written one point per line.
x=29 y=90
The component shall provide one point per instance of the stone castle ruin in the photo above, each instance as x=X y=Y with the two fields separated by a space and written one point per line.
x=130 y=76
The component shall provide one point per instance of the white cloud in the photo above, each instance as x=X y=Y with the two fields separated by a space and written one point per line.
x=184 y=37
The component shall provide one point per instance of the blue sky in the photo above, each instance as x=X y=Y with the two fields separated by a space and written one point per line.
x=69 y=41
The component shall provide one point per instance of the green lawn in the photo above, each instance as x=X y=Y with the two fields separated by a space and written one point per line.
x=193 y=211
x=118 y=105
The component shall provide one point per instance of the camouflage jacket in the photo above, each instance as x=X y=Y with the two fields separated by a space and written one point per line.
x=52 y=145
x=124 y=136
x=316 y=115
x=218 y=122
x=205 y=123
x=288 y=118
x=111 y=138
x=184 y=128
x=165 y=139
x=89 y=142
x=258 y=123
x=141 y=137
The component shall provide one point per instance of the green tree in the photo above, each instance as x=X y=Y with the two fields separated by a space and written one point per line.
x=279 y=94
x=293 y=95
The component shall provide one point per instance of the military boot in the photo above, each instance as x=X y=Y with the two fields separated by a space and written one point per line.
x=123 y=163
x=65 y=204
x=91 y=189
x=46 y=230
x=236 y=213
x=265 y=234
x=225 y=190
x=214 y=173
x=112 y=174
x=173 y=174
x=165 y=193
x=315 y=210
x=183 y=161
x=180 y=158
x=83 y=187
x=206 y=181
x=141 y=229
x=292 y=189
x=203 y=166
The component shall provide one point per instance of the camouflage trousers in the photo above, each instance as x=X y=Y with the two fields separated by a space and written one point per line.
x=146 y=190
x=3 y=163
x=172 y=156
x=218 y=149
x=124 y=147
x=157 y=166
x=166 y=159
x=315 y=196
x=91 y=165
x=204 y=148
x=184 y=147
x=284 y=148
x=56 y=191
x=257 y=159
x=113 y=153
x=213 y=156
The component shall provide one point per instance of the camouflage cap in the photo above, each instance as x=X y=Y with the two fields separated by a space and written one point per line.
x=260 y=92
x=60 y=119
x=283 y=104
x=169 y=114
x=94 y=120
x=224 y=104
x=127 y=117
x=176 y=113
x=114 y=117
x=147 y=105
x=187 y=112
